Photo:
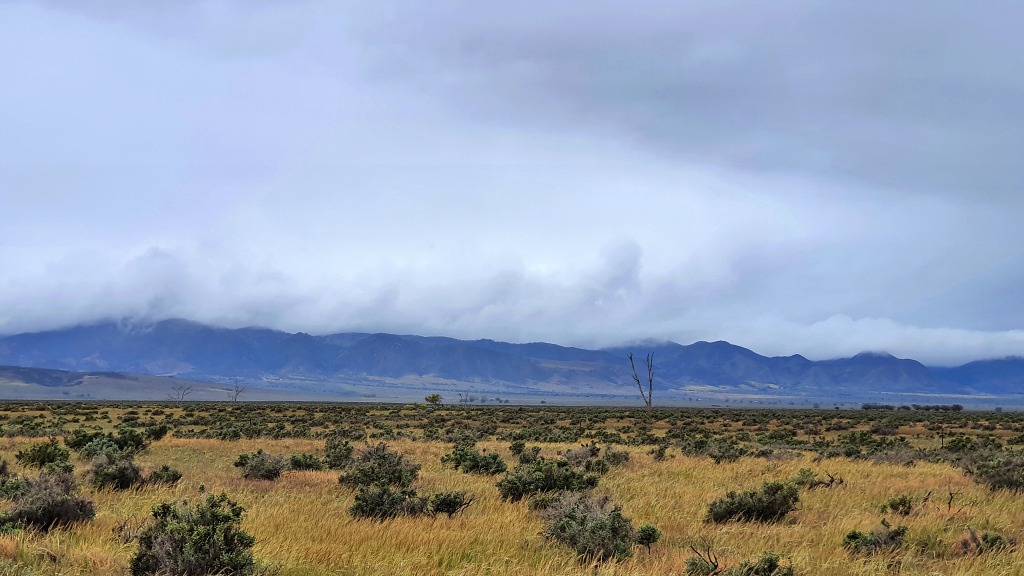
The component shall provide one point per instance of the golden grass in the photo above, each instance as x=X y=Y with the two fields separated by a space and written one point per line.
x=302 y=526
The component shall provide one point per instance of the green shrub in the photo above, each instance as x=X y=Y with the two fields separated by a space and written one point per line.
x=771 y=503
x=544 y=500
x=337 y=452
x=114 y=470
x=380 y=502
x=595 y=529
x=466 y=458
x=449 y=503
x=78 y=439
x=902 y=505
x=195 y=540
x=529 y=455
x=131 y=440
x=376 y=465
x=616 y=457
x=164 y=475
x=97 y=446
x=156 y=433
x=11 y=485
x=260 y=466
x=49 y=456
x=1005 y=473
x=805 y=478
x=598 y=466
x=305 y=462
x=659 y=452
x=543 y=475
x=51 y=500
x=878 y=540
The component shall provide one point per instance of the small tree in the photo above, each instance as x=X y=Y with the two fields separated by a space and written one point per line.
x=433 y=399
x=649 y=396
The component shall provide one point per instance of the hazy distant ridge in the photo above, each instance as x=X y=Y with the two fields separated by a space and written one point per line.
x=198 y=352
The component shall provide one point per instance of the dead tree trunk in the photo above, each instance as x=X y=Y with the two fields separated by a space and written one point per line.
x=649 y=396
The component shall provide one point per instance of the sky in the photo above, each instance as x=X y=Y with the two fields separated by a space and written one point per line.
x=821 y=178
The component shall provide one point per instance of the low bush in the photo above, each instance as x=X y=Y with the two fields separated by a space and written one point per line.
x=466 y=458
x=164 y=475
x=902 y=505
x=529 y=455
x=591 y=526
x=1002 y=473
x=616 y=457
x=49 y=456
x=807 y=479
x=11 y=485
x=97 y=446
x=305 y=462
x=195 y=540
x=79 y=438
x=261 y=466
x=578 y=456
x=380 y=502
x=449 y=503
x=543 y=475
x=376 y=465
x=51 y=500
x=878 y=540
x=771 y=503
x=114 y=470
x=337 y=452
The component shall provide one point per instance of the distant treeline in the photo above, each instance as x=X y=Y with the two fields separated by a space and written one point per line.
x=924 y=407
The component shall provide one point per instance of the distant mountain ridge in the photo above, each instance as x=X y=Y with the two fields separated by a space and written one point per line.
x=186 y=349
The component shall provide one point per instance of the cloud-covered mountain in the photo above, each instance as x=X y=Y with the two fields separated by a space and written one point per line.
x=195 y=351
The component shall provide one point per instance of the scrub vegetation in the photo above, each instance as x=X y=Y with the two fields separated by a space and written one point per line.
x=309 y=489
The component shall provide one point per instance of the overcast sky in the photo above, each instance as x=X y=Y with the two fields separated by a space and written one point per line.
x=820 y=178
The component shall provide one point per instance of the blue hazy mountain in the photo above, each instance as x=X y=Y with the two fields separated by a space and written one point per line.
x=185 y=349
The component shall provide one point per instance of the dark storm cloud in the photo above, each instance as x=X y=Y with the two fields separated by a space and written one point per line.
x=796 y=177
x=910 y=96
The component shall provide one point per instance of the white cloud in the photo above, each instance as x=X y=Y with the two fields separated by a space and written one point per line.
x=584 y=174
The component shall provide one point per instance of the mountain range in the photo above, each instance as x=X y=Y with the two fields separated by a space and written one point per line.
x=362 y=365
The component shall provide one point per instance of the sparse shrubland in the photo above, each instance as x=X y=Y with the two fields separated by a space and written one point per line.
x=408 y=508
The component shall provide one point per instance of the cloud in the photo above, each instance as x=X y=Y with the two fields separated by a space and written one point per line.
x=799 y=177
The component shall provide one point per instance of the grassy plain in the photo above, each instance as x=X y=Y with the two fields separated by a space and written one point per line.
x=302 y=525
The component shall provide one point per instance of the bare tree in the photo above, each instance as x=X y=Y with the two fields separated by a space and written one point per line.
x=649 y=396
x=235 y=392
x=180 y=392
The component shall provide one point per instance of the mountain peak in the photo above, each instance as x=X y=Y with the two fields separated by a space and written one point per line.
x=875 y=354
